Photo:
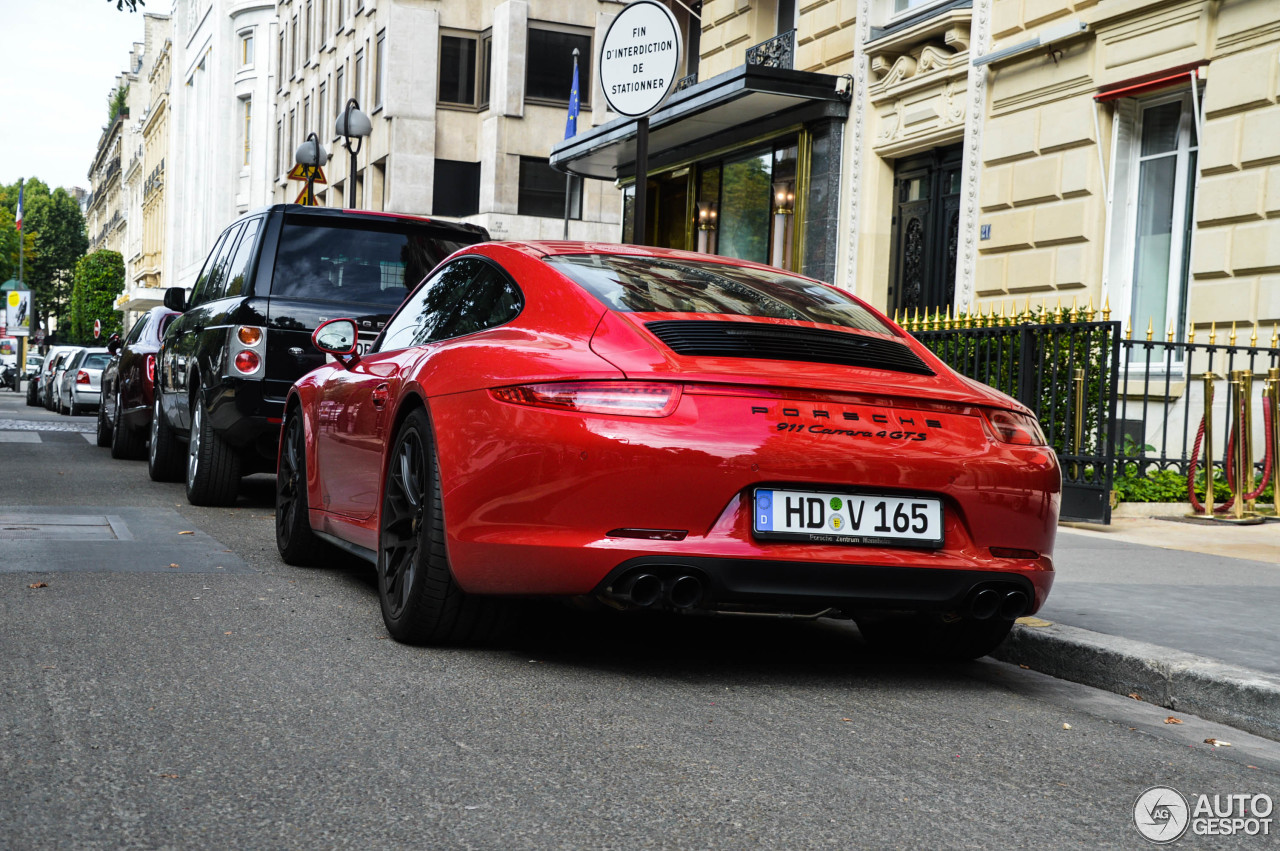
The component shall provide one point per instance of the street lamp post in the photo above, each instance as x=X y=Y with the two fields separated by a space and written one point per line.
x=352 y=124
x=312 y=156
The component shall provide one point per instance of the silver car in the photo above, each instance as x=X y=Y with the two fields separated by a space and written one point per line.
x=81 y=383
x=51 y=374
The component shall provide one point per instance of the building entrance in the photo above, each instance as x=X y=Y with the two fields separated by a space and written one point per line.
x=926 y=229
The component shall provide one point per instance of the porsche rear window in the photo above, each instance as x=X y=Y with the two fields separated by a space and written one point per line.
x=660 y=285
x=367 y=262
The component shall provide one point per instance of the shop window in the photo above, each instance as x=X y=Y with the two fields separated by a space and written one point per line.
x=456 y=188
x=745 y=201
x=549 y=70
x=542 y=190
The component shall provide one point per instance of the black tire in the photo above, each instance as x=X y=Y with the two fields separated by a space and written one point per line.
x=74 y=410
x=421 y=602
x=126 y=443
x=104 y=427
x=31 y=395
x=213 y=467
x=297 y=543
x=931 y=635
x=164 y=458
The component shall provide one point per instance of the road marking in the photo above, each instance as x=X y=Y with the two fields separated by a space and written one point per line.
x=19 y=437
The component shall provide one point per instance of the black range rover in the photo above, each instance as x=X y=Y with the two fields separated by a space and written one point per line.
x=226 y=365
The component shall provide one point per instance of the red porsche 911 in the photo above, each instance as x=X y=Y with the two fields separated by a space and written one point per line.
x=665 y=430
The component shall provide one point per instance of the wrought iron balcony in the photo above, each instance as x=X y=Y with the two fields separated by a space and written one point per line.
x=777 y=52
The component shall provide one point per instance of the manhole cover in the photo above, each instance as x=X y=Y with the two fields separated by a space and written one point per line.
x=63 y=527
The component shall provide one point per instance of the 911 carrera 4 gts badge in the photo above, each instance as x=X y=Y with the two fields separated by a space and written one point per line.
x=840 y=423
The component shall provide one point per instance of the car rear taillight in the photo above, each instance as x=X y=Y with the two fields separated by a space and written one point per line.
x=247 y=362
x=1011 y=427
x=151 y=369
x=82 y=377
x=624 y=398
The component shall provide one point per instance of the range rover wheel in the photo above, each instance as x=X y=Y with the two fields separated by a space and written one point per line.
x=421 y=602
x=126 y=443
x=297 y=543
x=930 y=635
x=164 y=459
x=104 y=426
x=213 y=467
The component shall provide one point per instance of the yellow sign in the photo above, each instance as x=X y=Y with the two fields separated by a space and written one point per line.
x=302 y=199
x=299 y=172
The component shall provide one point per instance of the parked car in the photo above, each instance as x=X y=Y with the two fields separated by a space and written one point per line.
x=32 y=370
x=81 y=386
x=226 y=365
x=124 y=418
x=665 y=430
x=52 y=374
x=35 y=382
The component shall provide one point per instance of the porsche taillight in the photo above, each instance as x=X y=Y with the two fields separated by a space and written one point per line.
x=622 y=398
x=151 y=369
x=1015 y=428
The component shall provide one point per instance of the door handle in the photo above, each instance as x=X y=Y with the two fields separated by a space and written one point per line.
x=380 y=395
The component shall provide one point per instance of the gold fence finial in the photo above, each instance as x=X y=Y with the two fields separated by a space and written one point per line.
x=1057 y=312
x=1191 y=332
x=1128 y=328
x=895 y=317
x=1089 y=316
x=1106 y=309
x=1170 y=337
x=1026 y=312
x=946 y=322
x=1232 y=339
x=1213 y=333
x=1150 y=327
x=1275 y=335
x=936 y=323
x=1253 y=338
x=1075 y=314
x=915 y=321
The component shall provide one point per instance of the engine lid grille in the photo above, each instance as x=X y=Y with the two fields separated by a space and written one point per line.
x=711 y=338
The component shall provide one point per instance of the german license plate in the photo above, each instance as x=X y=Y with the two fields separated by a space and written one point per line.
x=841 y=518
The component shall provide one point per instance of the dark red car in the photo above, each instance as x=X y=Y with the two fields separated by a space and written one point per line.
x=662 y=429
x=128 y=385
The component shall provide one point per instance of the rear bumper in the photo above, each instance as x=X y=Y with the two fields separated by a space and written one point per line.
x=245 y=417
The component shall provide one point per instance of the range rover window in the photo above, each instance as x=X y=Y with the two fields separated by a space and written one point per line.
x=466 y=296
x=374 y=263
x=209 y=285
x=238 y=268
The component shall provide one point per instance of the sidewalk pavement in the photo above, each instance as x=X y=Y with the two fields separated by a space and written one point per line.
x=1184 y=614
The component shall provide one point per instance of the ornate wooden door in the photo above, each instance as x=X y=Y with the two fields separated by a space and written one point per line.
x=926 y=228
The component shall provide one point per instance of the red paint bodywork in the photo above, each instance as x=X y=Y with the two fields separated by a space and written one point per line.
x=530 y=493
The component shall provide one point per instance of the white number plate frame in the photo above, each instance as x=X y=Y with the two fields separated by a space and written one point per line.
x=847 y=518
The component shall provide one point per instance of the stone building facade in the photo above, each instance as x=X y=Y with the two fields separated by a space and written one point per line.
x=466 y=100
x=991 y=151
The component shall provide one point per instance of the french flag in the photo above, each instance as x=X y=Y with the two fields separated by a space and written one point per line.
x=18 y=216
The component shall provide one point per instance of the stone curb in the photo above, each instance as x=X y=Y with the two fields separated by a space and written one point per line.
x=1213 y=690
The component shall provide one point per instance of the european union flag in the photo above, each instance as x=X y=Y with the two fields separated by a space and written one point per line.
x=571 y=126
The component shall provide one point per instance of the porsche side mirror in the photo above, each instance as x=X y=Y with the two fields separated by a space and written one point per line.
x=337 y=337
x=175 y=298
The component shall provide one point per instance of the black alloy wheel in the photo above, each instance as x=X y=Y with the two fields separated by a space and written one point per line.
x=104 y=425
x=164 y=459
x=297 y=543
x=126 y=443
x=421 y=602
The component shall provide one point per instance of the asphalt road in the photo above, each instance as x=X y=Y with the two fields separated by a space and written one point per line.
x=231 y=701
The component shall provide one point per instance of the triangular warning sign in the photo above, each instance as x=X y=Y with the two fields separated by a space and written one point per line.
x=302 y=198
x=299 y=172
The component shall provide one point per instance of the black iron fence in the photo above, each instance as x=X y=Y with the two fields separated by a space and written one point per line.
x=1115 y=409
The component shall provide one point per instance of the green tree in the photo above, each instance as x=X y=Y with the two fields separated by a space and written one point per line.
x=99 y=279
x=117 y=102
x=60 y=242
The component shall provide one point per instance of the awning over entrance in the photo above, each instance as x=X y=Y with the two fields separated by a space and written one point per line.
x=709 y=110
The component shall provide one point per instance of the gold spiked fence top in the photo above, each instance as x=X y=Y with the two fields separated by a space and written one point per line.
x=1045 y=314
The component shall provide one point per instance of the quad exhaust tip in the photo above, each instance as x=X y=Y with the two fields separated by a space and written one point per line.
x=990 y=602
x=681 y=591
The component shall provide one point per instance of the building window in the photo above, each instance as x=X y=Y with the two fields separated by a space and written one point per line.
x=486 y=68
x=787 y=15
x=306 y=116
x=292 y=144
x=246 y=49
x=455 y=189
x=339 y=97
x=342 y=14
x=380 y=72
x=280 y=147
x=322 y=105
x=542 y=190
x=323 y=23
x=293 y=44
x=280 y=62
x=549 y=71
x=359 y=5
x=458 y=69
x=307 y=23
x=1158 y=188
x=247 y=112
x=357 y=78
